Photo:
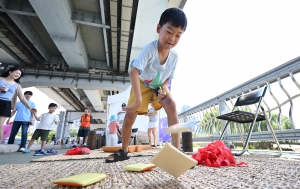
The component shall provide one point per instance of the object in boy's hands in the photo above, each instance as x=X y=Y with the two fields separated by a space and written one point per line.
x=123 y=105
x=157 y=89
x=84 y=179
x=173 y=161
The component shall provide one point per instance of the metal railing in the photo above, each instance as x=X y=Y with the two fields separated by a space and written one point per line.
x=282 y=93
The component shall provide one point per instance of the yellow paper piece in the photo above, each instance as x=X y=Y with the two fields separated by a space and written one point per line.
x=84 y=179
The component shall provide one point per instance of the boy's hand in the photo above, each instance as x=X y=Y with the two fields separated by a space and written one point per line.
x=133 y=107
x=161 y=94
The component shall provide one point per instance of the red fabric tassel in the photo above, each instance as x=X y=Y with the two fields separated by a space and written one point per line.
x=216 y=154
x=78 y=151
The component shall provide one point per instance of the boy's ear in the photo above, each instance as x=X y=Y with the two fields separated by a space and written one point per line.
x=158 y=28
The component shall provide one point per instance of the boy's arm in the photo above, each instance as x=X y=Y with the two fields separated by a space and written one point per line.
x=135 y=84
x=162 y=93
x=36 y=117
x=56 y=121
x=165 y=83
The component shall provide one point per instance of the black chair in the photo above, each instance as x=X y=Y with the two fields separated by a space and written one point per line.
x=133 y=136
x=238 y=116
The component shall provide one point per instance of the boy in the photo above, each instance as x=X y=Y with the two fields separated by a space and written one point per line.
x=43 y=129
x=149 y=76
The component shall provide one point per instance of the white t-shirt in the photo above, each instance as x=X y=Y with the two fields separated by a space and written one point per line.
x=152 y=73
x=154 y=117
x=47 y=120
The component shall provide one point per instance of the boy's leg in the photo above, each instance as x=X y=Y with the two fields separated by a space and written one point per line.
x=170 y=107
x=34 y=137
x=44 y=138
x=30 y=143
x=43 y=144
x=127 y=129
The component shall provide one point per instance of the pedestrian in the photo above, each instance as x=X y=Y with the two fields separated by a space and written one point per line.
x=53 y=140
x=153 y=121
x=112 y=134
x=84 y=129
x=10 y=90
x=24 y=117
x=46 y=122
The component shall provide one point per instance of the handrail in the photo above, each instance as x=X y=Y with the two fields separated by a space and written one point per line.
x=270 y=78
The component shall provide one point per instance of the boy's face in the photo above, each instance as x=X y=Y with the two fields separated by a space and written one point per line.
x=52 y=109
x=169 y=35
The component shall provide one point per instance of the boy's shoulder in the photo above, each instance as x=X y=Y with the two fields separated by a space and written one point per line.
x=152 y=46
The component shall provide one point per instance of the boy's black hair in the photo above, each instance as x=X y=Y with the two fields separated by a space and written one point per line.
x=175 y=16
x=52 y=105
x=28 y=92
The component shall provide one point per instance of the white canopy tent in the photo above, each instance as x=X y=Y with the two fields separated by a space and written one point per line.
x=114 y=107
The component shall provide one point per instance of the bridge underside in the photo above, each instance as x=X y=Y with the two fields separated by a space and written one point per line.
x=77 y=51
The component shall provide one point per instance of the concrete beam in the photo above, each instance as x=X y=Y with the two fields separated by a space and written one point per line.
x=11 y=53
x=145 y=24
x=22 y=24
x=16 y=7
x=54 y=96
x=88 y=19
x=104 y=31
x=67 y=37
x=55 y=81
x=95 y=99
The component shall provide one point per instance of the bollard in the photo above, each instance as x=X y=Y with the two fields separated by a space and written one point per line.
x=187 y=142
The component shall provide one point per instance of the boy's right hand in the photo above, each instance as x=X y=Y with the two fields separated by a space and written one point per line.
x=133 y=107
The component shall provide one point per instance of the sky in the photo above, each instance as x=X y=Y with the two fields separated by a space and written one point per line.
x=226 y=44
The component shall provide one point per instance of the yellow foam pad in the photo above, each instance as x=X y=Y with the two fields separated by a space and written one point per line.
x=173 y=161
x=80 y=179
x=139 y=167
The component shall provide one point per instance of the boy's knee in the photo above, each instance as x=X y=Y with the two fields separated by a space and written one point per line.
x=169 y=104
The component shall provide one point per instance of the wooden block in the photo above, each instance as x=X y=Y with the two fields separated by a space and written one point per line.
x=116 y=148
x=111 y=148
x=173 y=161
x=146 y=147
x=131 y=149
x=138 y=148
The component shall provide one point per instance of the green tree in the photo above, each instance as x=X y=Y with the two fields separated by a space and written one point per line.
x=73 y=132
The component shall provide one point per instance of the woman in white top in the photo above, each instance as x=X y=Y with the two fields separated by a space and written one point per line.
x=153 y=121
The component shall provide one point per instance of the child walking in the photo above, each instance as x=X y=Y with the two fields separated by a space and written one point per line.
x=113 y=126
x=43 y=129
x=149 y=76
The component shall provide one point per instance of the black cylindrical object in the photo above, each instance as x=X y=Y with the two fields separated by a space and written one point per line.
x=187 y=142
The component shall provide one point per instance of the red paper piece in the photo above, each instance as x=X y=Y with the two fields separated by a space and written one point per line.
x=78 y=151
x=216 y=154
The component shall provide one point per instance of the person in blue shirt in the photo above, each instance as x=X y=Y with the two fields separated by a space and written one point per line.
x=24 y=118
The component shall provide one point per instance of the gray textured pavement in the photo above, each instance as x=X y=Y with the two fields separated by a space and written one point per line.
x=19 y=157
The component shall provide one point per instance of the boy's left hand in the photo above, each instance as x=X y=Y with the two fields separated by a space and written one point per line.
x=161 y=94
